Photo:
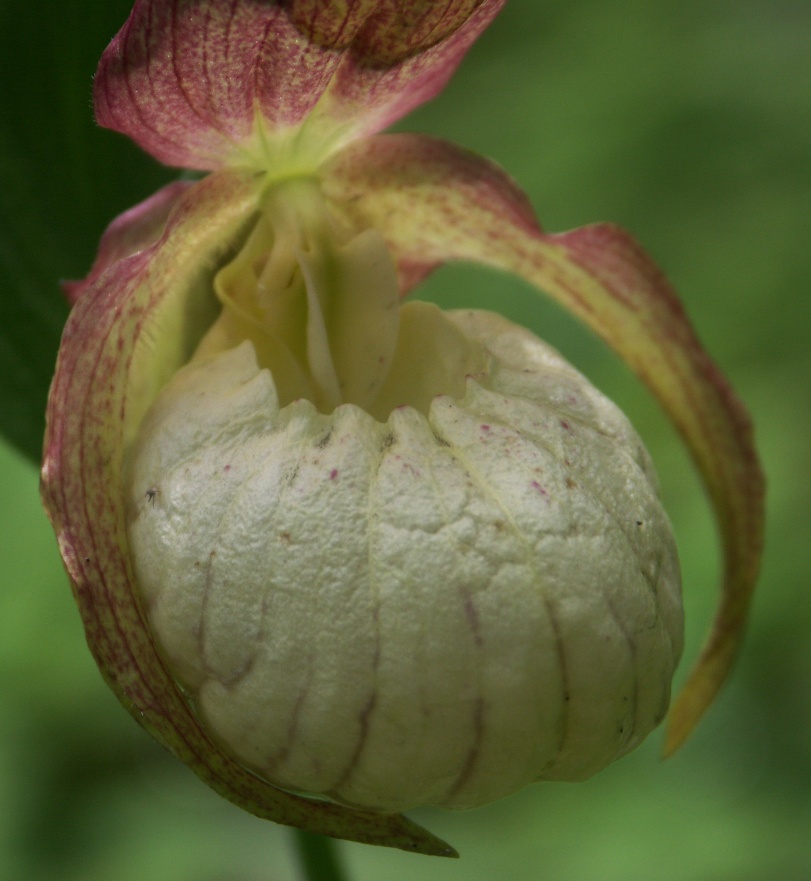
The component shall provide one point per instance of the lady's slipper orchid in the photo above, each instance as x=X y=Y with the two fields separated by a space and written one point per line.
x=326 y=543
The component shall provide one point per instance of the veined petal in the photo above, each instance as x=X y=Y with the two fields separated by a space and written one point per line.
x=381 y=32
x=435 y=202
x=135 y=229
x=207 y=83
x=403 y=56
x=185 y=79
x=131 y=330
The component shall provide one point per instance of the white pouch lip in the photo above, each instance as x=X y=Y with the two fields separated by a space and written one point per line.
x=529 y=660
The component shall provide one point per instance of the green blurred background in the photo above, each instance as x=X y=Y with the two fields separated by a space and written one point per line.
x=688 y=123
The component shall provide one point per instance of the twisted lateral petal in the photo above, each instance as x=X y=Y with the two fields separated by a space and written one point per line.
x=186 y=79
x=130 y=331
x=435 y=202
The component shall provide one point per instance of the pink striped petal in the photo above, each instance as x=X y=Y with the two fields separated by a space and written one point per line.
x=130 y=330
x=435 y=202
x=186 y=79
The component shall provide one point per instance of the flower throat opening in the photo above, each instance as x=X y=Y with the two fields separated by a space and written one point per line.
x=320 y=303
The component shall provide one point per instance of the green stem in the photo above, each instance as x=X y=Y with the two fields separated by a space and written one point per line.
x=317 y=856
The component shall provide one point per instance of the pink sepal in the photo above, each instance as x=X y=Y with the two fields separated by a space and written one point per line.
x=186 y=79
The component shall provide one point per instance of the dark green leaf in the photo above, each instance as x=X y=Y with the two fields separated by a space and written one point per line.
x=62 y=179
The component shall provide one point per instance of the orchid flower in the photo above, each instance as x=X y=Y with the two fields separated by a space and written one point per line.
x=325 y=543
